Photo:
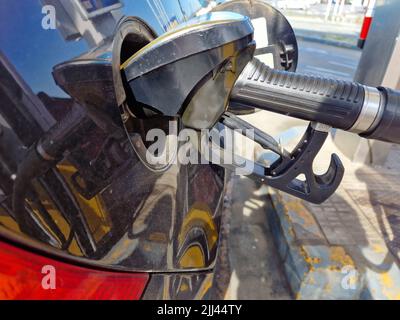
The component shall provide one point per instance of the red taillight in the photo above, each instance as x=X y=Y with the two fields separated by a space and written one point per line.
x=25 y=275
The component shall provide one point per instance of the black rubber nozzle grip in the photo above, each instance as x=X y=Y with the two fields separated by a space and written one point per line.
x=333 y=102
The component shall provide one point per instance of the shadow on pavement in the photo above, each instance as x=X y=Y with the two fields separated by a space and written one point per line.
x=256 y=270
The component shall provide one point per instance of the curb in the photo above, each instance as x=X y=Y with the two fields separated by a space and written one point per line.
x=335 y=43
x=314 y=269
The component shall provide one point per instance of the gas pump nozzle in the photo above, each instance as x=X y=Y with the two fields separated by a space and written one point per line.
x=190 y=73
x=191 y=70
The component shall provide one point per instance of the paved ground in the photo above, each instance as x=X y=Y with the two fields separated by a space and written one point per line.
x=366 y=208
x=256 y=270
x=312 y=25
x=318 y=24
x=363 y=216
x=326 y=60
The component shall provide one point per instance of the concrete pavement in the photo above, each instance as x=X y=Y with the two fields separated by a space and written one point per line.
x=256 y=269
x=343 y=33
x=359 y=224
x=326 y=60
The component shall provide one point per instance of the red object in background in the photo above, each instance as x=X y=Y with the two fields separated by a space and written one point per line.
x=366 y=24
x=365 y=28
x=21 y=278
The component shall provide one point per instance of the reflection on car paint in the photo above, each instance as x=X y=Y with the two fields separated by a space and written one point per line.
x=100 y=203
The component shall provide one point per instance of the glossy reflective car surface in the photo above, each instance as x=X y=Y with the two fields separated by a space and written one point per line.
x=99 y=203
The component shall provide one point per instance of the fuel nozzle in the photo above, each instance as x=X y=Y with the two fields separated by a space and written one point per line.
x=190 y=71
